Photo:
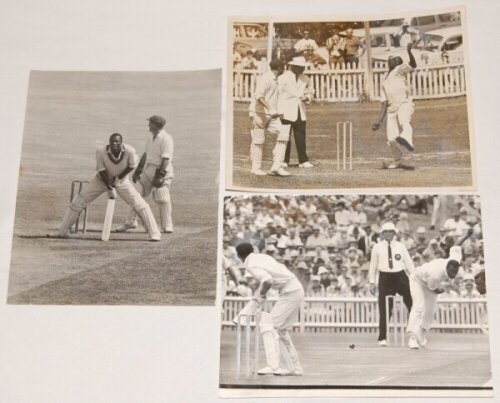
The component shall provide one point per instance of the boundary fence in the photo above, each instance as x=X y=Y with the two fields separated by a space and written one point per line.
x=350 y=83
x=360 y=315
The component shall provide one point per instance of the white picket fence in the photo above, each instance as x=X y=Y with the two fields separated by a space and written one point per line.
x=345 y=83
x=320 y=314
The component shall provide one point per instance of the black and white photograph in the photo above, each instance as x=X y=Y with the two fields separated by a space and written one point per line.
x=315 y=104
x=354 y=292
x=118 y=189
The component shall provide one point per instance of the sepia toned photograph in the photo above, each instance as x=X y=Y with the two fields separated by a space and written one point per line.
x=359 y=293
x=115 y=204
x=351 y=104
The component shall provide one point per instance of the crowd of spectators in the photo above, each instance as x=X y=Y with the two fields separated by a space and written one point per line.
x=327 y=240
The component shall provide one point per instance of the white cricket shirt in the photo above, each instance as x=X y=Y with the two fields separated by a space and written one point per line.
x=105 y=161
x=161 y=146
x=267 y=88
x=433 y=273
x=265 y=268
x=396 y=89
x=401 y=259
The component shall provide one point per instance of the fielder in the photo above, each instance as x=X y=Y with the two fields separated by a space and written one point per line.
x=114 y=162
x=263 y=112
x=425 y=286
x=398 y=105
x=274 y=327
x=155 y=173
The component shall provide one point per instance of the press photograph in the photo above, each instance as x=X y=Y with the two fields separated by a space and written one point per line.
x=358 y=104
x=115 y=204
x=359 y=293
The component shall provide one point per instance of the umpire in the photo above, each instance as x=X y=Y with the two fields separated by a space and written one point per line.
x=394 y=264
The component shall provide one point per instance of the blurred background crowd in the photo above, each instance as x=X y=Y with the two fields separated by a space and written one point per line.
x=327 y=240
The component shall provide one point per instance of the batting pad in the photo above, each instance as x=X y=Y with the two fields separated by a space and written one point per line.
x=149 y=221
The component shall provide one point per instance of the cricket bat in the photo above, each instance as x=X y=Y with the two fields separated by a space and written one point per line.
x=108 y=219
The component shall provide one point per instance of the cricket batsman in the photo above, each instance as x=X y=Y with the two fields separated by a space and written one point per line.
x=425 y=286
x=114 y=162
x=274 y=326
x=155 y=173
x=398 y=105
x=263 y=112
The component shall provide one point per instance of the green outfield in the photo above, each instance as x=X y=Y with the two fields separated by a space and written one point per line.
x=68 y=116
x=442 y=149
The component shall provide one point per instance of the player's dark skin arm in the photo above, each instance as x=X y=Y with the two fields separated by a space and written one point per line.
x=413 y=62
x=139 y=168
x=125 y=172
x=106 y=179
x=381 y=117
x=266 y=286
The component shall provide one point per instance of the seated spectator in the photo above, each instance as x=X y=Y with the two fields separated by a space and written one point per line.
x=359 y=216
x=343 y=217
x=341 y=239
x=333 y=289
x=434 y=250
x=315 y=288
x=316 y=239
x=456 y=226
x=293 y=240
x=324 y=276
x=421 y=241
x=469 y=290
x=407 y=241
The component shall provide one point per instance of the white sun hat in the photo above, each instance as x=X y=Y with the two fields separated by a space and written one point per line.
x=388 y=226
x=299 y=61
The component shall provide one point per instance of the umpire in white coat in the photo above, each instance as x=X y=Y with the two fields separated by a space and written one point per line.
x=393 y=263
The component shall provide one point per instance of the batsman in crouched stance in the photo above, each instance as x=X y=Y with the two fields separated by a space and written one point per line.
x=154 y=174
x=274 y=326
x=114 y=162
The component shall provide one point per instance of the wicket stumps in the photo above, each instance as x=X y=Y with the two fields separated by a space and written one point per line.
x=74 y=186
x=245 y=321
x=398 y=320
x=344 y=130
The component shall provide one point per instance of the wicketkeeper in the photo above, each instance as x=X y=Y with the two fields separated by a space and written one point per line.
x=155 y=173
x=114 y=162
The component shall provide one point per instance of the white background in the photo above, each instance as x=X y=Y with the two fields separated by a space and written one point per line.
x=143 y=354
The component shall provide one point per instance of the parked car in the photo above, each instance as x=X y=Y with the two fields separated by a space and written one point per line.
x=422 y=23
x=434 y=47
x=249 y=36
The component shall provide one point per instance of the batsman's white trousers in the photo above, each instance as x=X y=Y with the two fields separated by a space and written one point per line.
x=273 y=126
x=124 y=188
x=286 y=309
x=398 y=123
x=422 y=310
